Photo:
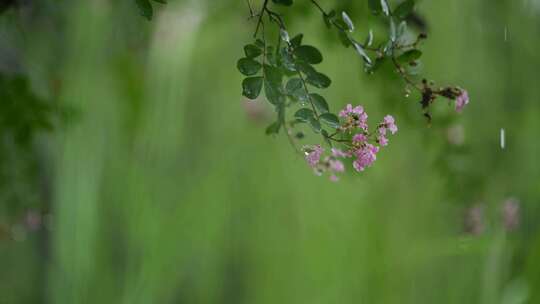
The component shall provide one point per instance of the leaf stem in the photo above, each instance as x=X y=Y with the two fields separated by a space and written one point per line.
x=259 y=21
x=404 y=75
x=250 y=8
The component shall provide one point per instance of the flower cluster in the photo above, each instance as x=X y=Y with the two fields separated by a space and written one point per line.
x=355 y=117
x=359 y=144
x=329 y=164
x=457 y=94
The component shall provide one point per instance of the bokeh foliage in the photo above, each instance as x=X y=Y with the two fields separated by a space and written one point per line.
x=159 y=185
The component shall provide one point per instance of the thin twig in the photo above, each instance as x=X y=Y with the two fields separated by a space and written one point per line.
x=291 y=139
x=404 y=75
x=265 y=3
x=250 y=8
x=319 y=7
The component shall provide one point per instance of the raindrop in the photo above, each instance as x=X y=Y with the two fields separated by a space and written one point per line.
x=503 y=142
x=407 y=92
x=284 y=35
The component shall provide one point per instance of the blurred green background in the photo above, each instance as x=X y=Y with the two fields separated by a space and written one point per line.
x=132 y=170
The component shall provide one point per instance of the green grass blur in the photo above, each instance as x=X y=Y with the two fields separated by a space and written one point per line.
x=161 y=187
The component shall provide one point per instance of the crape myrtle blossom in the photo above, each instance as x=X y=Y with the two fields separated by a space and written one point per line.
x=329 y=164
x=366 y=155
x=313 y=155
x=387 y=124
x=355 y=117
x=457 y=94
x=357 y=143
x=340 y=153
x=461 y=100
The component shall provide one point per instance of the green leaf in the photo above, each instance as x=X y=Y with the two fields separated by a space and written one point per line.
x=252 y=51
x=315 y=124
x=376 y=65
x=270 y=55
x=369 y=39
x=273 y=92
x=402 y=28
x=295 y=88
x=283 y=2
x=287 y=60
x=304 y=114
x=259 y=43
x=319 y=102
x=404 y=9
x=393 y=32
x=296 y=41
x=248 y=66
x=341 y=24
x=293 y=84
x=385 y=7
x=330 y=119
x=347 y=21
x=309 y=54
x=305 y=68
x=319 y=80
x=273 y=128
x=273 y=74
x=375 y=6
x=409 y=56
x=388 y=48
x=145 y=8
x=360 y=50
x=251 y=87
x=161 y=1
x=284 y=35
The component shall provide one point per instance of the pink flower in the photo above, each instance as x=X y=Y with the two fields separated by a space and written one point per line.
x=339 y=153
x=358 y=110
x=383 y=141
x=336 y=165
x=390 y=123
x=365 y=157
x=362 y=121
x=334 y=178
x=357 y=113
x=328 y=164
x=349 y=110
x=462 y=100
x=313 y=155
x=359 y=138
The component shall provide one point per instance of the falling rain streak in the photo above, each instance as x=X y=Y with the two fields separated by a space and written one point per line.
x=503 y=139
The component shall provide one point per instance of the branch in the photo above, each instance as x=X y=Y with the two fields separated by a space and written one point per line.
x=260 y=17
